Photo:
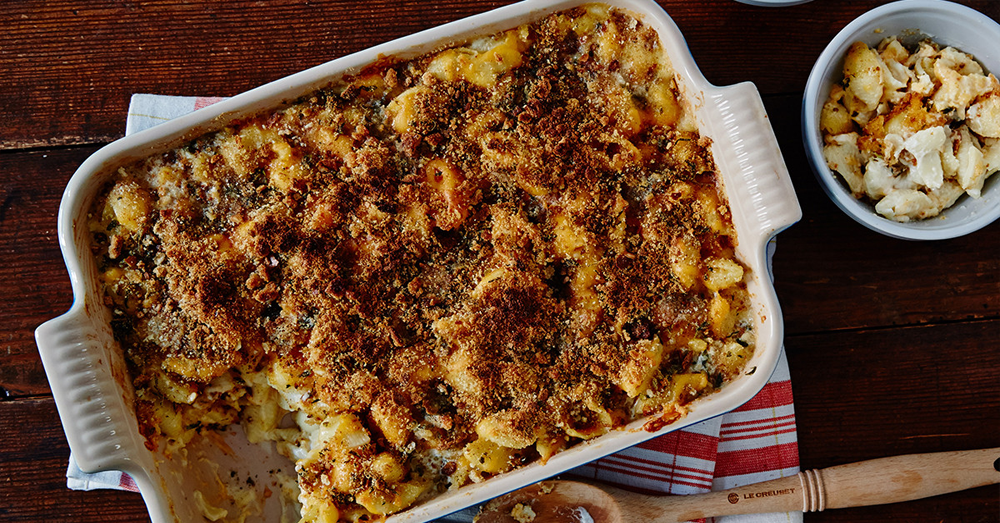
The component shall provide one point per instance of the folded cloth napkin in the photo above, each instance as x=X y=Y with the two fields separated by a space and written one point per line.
x=753 y=443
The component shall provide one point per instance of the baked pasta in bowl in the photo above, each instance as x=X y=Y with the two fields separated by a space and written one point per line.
x=411 y=279
x=913 y=156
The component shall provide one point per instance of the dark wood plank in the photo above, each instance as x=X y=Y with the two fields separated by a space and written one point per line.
x=69 y=67
x=33 y=472
x=833 y=273
x=36 y=285
x=925 y=388
x=868 y=394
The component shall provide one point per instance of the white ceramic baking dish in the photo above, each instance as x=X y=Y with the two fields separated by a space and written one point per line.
x=88 y=378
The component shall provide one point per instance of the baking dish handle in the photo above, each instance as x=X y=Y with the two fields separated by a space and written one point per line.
x=87 y=381
x=767 y=198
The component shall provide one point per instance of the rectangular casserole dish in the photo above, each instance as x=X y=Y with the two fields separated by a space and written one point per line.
x=89 y=380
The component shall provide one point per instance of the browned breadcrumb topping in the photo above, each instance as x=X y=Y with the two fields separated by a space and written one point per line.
x=521 y=265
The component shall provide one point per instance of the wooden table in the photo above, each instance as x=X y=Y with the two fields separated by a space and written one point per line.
x=893 y=345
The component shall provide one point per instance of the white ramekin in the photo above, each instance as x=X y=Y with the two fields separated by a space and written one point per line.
x=948 y=24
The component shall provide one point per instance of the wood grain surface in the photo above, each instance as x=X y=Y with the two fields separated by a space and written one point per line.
x=893 y=345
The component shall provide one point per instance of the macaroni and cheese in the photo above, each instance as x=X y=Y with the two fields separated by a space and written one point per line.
x=434 y=271
x=912 y=131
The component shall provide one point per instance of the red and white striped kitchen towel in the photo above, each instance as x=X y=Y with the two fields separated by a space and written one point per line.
x=754 y=443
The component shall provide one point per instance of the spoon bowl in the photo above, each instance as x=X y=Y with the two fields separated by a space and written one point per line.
x=555 y=502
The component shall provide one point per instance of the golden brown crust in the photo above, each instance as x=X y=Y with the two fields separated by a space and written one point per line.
x=522 y=264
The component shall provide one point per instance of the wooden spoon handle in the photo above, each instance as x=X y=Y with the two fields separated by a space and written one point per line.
x=872 y=482
x=902 y=478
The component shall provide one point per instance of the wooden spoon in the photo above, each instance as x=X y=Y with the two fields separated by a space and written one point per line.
x=872 y=482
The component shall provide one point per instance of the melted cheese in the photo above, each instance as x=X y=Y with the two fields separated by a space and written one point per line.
x=432 y=273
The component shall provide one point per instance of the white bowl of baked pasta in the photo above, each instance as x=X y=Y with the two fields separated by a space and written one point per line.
x=901 y=119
